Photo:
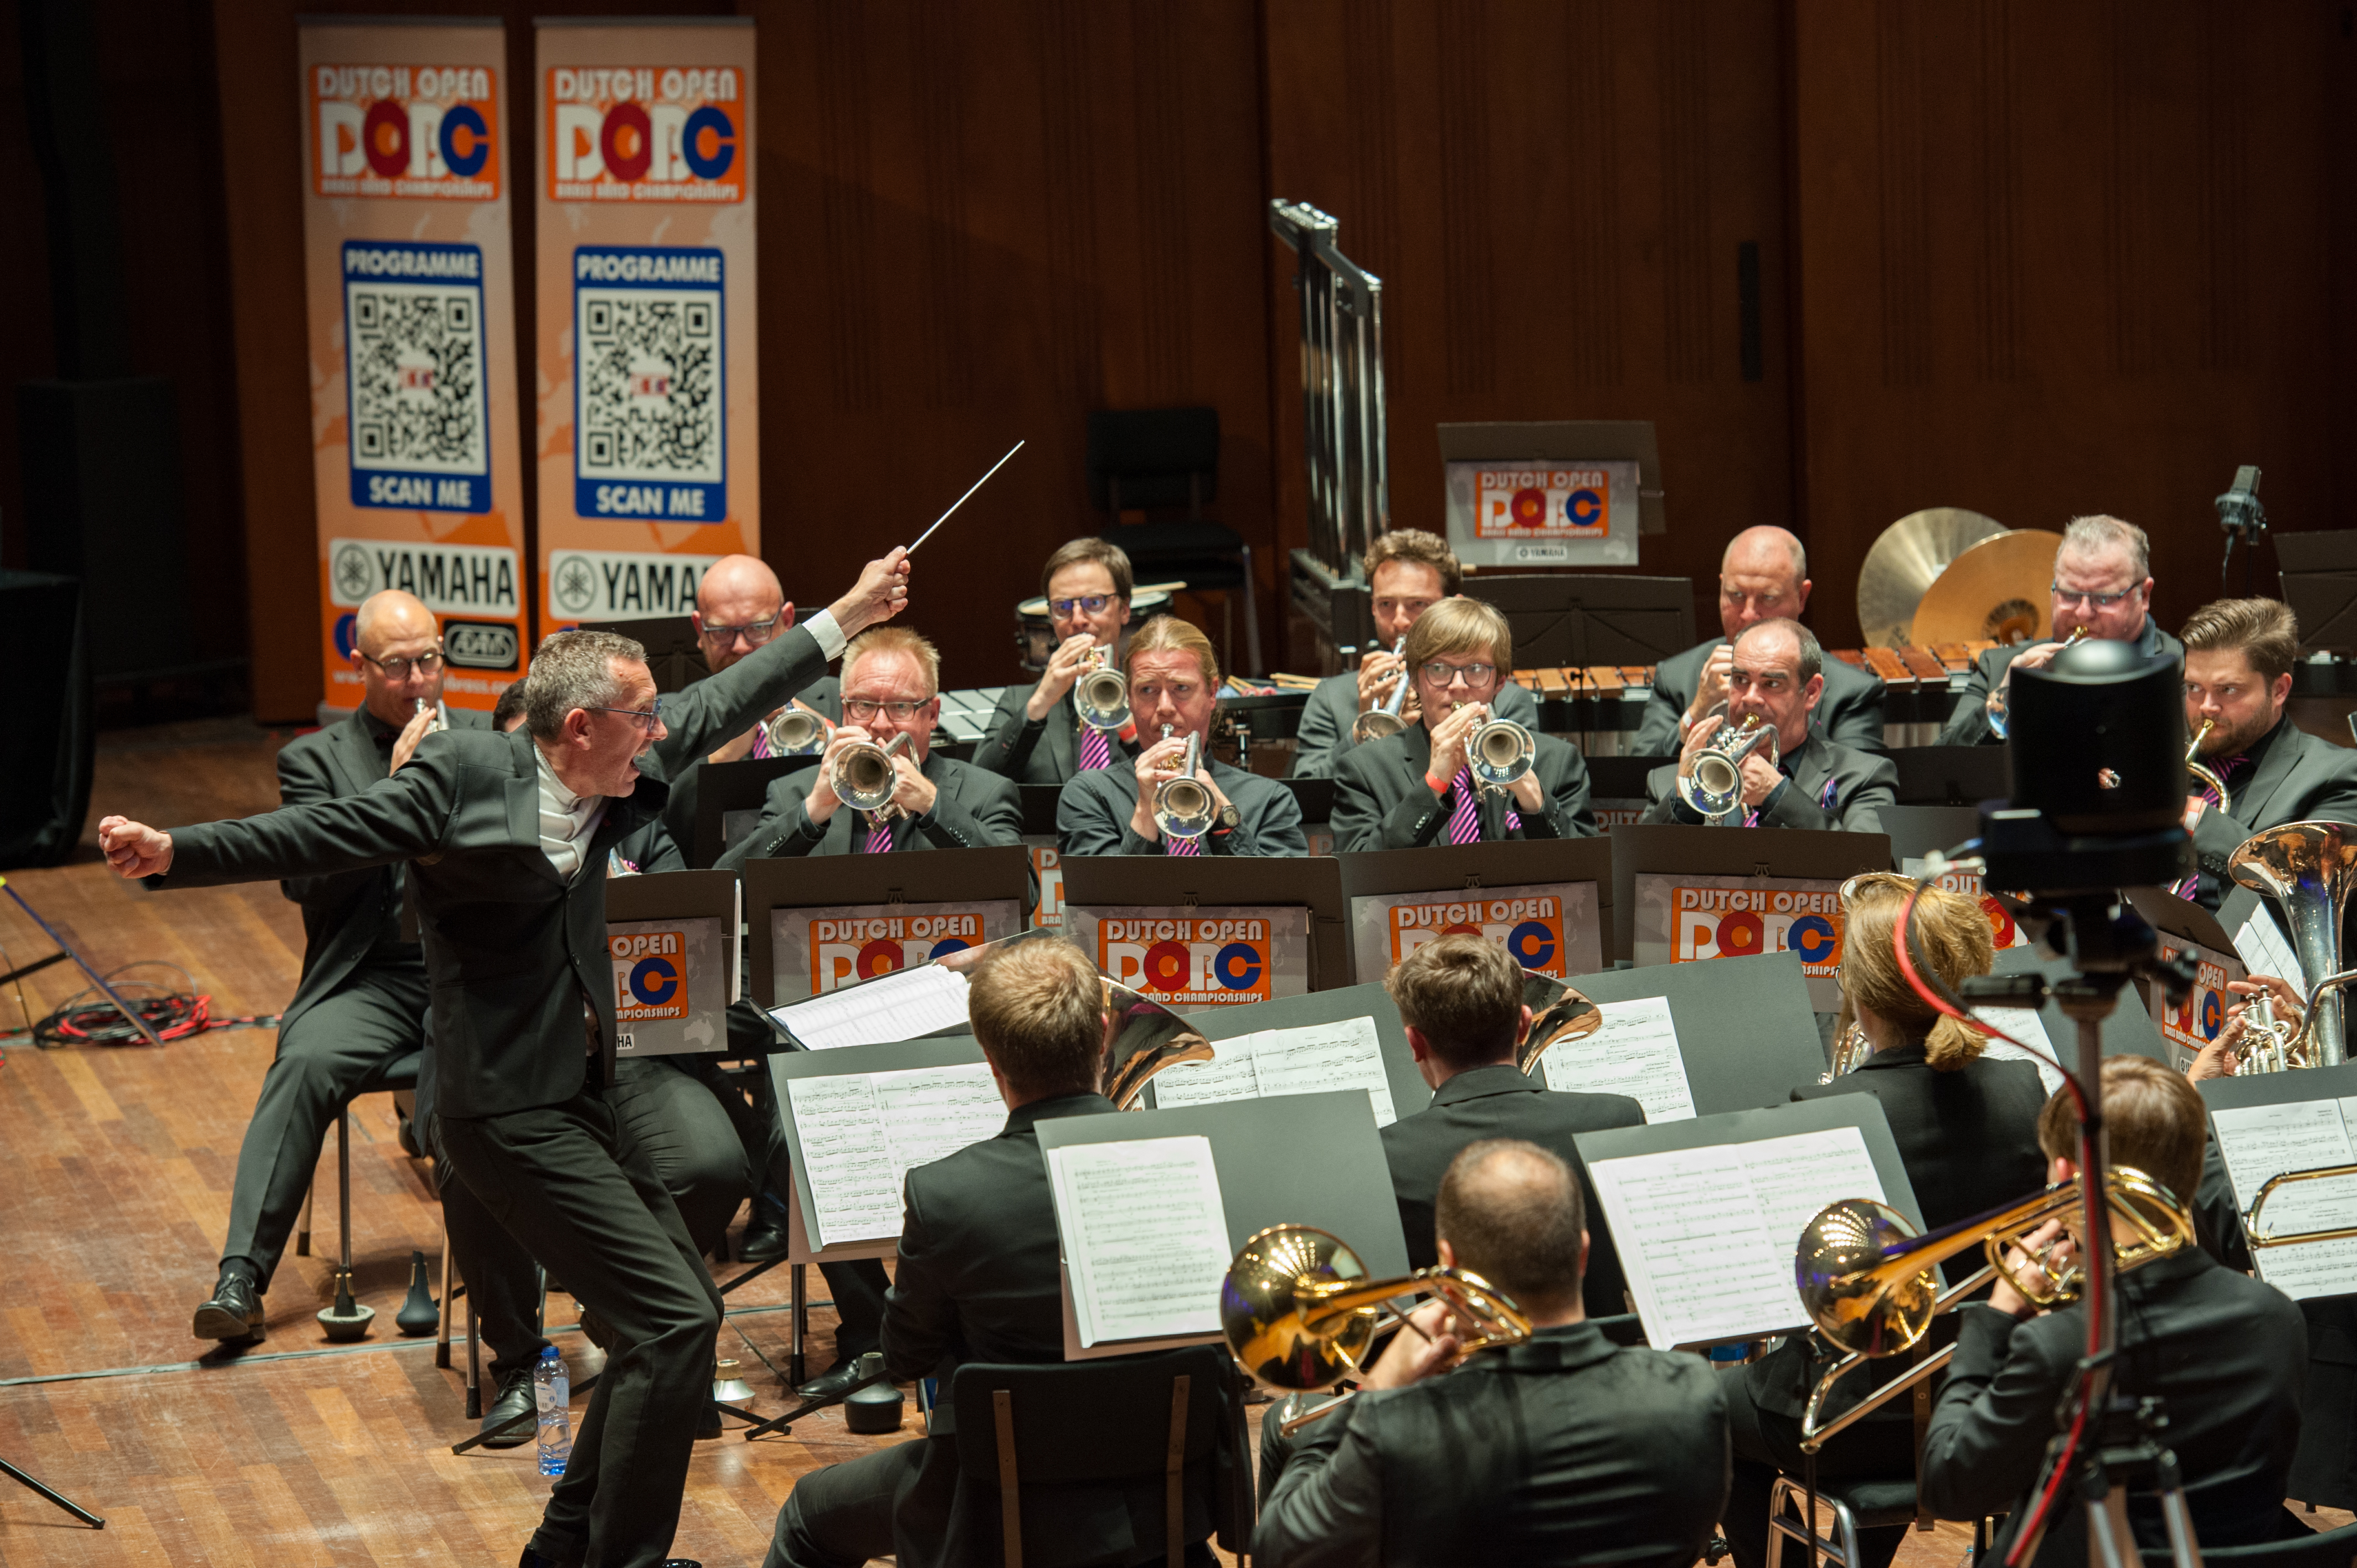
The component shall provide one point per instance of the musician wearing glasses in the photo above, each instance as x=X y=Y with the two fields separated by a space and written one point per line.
x=1786 y=775
x=892 y=698
x=1419 y=787
x=1563 y=1448
x=1037 y=736
x=1174 y=693
x=2103 y=587
x=2226 y=1353
x=1408 y=572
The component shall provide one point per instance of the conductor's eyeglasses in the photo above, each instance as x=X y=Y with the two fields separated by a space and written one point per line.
x=650 y=719
x=756 y=632
x=397 y=669
x=1087 y=603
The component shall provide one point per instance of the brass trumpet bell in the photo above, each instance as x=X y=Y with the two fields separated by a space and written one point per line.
x=796 y=732
x=1714 y=787
x=1379 y=721
x=1101 y=697
x=862 y=776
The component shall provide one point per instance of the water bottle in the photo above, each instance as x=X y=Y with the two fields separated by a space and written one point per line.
x=552 y=1393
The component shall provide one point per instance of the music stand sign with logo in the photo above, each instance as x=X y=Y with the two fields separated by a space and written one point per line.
x=2004 y=930
x=649 y=401
x=815 y=950
x=416 y=468
x=1199 y=958
x=671 y=985
x=1551 y=929
x=1048 y=866
x=2201 y=1018
x=1688 y=918
x=1543 y=513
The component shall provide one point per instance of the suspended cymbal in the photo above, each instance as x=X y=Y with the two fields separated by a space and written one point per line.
x=1904 y=563
x=2001 y=589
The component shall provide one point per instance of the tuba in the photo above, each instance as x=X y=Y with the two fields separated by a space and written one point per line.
x=1183 y=806
x=2203 y=772
x=795 y=731
x=862 y=776
x=1102 y=695
x=1385 y=719
x=1714 y=787
x=2310 y=870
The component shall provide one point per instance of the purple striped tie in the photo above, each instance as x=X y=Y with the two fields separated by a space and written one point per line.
x=1096 y=751
x=879 y=837
x=1173 y=844
x=1465 y=817
x=761 y=741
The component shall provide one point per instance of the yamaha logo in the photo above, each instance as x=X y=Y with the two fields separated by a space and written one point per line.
x=479 y=645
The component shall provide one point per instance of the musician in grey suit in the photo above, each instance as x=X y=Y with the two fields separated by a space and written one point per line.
x=2238 y=659
x=1764 y=576
x=1036 y=736
x=1174 y=690
x=1777 y=673
x=891 y=688
x=1408 y=572
x=1416 y=787
x=2103 y=582
x=509 y=837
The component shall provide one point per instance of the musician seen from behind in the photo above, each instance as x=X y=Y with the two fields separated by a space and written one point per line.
x=1408 y=572
x=1174 y=690
x=1461 y=999
x=1417 y=788
x=2238 y=659
x=979 y=1278
x=2103 y=582
x=2226 y=1353
x=1564 y=1448
x=1763 y=575
x=1777 y=674
x=1966 y=1127
x=891 y=692
x=1038 y=736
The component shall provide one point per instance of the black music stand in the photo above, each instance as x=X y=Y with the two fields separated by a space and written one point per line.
x=1039 y=809
x=2127 y=1031
x=1953 y=774
x=1506 y=863
x=723 y=789
x=1410 y=1093
x=877 y=882
x=1571 y=618
x=1917 y=830
x=1675 y=849
x=1114 y=882
x=2244 y=1091
x=674 y=657
x=1621 y=778
x=1745 y=1028
x=1315 y=797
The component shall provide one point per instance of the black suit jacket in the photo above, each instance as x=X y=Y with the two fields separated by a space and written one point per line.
x=1381 y=801
x=2226 y=1352
x=1092 y=815
x=2292 y=778
x=1323 y=737
x=1501 y=1103
x=1850 y=714
x=343 y=912
x=1861 y=784
x=1968 y=721
x=1562 y=1450
x=1048 y=752
x=973 y=810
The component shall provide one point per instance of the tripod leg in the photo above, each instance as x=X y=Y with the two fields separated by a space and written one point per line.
x=60 y=1498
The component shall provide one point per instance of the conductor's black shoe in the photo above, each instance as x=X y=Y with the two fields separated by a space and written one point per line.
x=234 y=1313
x=836 y=1381
x=708 y=1424
x=765 y=1236
x=515 y=1399
x=405 y=1133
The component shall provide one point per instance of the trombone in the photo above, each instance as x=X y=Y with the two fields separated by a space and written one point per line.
x=862 y=777
x=2309 y=869
x=1714 y=787
x=2203 y=772
x=1183 y=807
x=1383 y=719
x=1300 y=1313
x=1101 y=696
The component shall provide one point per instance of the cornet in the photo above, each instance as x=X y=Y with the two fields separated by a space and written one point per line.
x=795 y=731
x=1183 y=808
x=2309 y=869
x=1102 y=695
x=1997 y=701
x=1379 y=721
x=2202 y=772
x=1499 y=752
x=425 y=707
x=862 y=777
x=1714 y=787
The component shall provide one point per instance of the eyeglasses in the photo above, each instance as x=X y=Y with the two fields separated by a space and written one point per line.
x=756 y=632
x=1441 y=674
x=859 y=711
x=427 y=664
x=1088 y=604
x=650 y=719
x=2097 y=601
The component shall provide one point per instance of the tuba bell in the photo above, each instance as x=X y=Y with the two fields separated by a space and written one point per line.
x=2309 y=869
x=1385 y=719
x=796 y=732
x=1714 y=787
x=862 y=776
x=1102 y=695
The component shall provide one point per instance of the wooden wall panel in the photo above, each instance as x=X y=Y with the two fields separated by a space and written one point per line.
x=2071 y=257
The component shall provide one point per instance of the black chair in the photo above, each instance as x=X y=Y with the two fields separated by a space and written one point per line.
x=2325 y=1549
x=1151 y=459
x=1846 y=1507
x=1052 y=1458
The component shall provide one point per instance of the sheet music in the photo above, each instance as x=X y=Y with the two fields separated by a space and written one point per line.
x=853 y=1183
x=903 y=1006
x=931 y=1113
x=2259 y=1142
x=1144 y=1236
x=1228 y=1075
x=1635 y=1053
x=2024 y=1022
x=2264 y=950
x=1307 y=1061
x=1714 y=1229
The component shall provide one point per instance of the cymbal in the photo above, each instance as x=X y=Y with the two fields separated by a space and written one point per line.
x=2001 y=589
x=1906 y=559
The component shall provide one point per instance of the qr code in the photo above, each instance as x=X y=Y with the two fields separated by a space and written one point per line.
x=650 y=375
x=416 y=358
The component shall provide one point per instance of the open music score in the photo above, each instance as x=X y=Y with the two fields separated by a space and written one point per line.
x=1708 y=1235
x=2262 y=1142
x=1307 y=1061
x=903 y=1006
x=1634 y=1053
x=861 y=1133
x=2264 y=950
x=1144 y=1237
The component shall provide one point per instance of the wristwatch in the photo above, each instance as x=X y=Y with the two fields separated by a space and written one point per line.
x=1229 y=818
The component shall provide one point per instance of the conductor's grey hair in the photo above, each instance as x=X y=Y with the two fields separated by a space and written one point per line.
x=576 y=669
x=2085 y=536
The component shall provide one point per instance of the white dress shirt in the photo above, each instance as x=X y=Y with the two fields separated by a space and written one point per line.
x=566 y=820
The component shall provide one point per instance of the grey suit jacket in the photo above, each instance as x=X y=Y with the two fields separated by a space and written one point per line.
x=1092 y=815
x=2293 y=778
x=1048 y=752
x=825 y=694
x=1850 y=714
x=1324 y=736
x=1969 y=723
x=1382 y=801
x=343 y=912
x=973 y=810
x=1826 y=787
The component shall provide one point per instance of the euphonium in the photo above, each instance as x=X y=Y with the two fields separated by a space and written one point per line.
x=2309 y=869
x=1998 y=699
x=2202 y=772
x=1102 y=695
x=1714 y=787
x=861 y=776
x=1379 y=721
x=1182 y=806
x=796 y=732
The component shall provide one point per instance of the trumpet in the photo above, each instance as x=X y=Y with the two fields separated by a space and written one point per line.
x=1385 y=719
x=1714 y=787
x=1102 y=695
x=1182 y=806
x=2309 y=869
x=795 y=731
x=862 y=776
x=2203 y=773
x=1865 y=1274
x=1997 y=701
x=422 y=706
x=1300 y=1313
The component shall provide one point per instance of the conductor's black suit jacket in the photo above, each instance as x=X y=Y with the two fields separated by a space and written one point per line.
x=1382 y=802
x=1502 y=1102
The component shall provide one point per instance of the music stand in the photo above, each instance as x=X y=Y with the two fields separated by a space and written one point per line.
x=2127 y=1031
x=674 y=657
x=1315 y=798
x=724 y=790
x=1953 y=774
x=706 y=970
x=1370 y=875
x=1410 y=1093
x=1115 y=882
x=876 y=883
x=1569 y=618
x=1674 y=849
x=2318 y=580
x=1745 y=1028
x=1039 y=809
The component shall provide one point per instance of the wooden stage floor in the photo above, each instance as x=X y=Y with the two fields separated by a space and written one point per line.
x=119 y=1163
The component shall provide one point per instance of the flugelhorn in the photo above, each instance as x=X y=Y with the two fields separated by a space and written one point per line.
x=795 y=731
x=1998 y=699
x=1101 y=697
x=1557 y=1014
x=1300 y=1313
x=862 y=777
x=1385 y=719
x=2309 y=869
x=1714 y=787
x=2202 y=771
x=1183 y=808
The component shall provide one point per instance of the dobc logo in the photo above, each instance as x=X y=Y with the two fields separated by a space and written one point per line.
x=405 y=131
x=1739 y=922
x=2198 y=1020
x=650 y=975
x=1530 y=929
x=646 y=134
x=843 y=953
x=1218 y=962
x=480 y=644
x=1541 y=503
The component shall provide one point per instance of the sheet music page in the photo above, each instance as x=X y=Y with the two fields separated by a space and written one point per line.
x=2259 y=1142
x=1635 y=1053
x=934 y=1112
x=903 y=1006
x=1347 y=1055
x=1228 y=1075
x=853 y=1183
x=1144 y=1236
x=1716 y=1229
x=2024 y=1022
x=2264 y=950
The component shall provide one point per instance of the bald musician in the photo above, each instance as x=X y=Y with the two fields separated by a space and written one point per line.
x=1764 y=576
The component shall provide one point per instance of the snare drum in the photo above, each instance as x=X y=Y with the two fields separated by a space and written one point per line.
x=1035 y=634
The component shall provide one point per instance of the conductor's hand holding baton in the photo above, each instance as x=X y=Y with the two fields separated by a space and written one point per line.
x=881 y=593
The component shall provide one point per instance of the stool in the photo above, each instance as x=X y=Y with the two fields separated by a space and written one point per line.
x=1855 y=1505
